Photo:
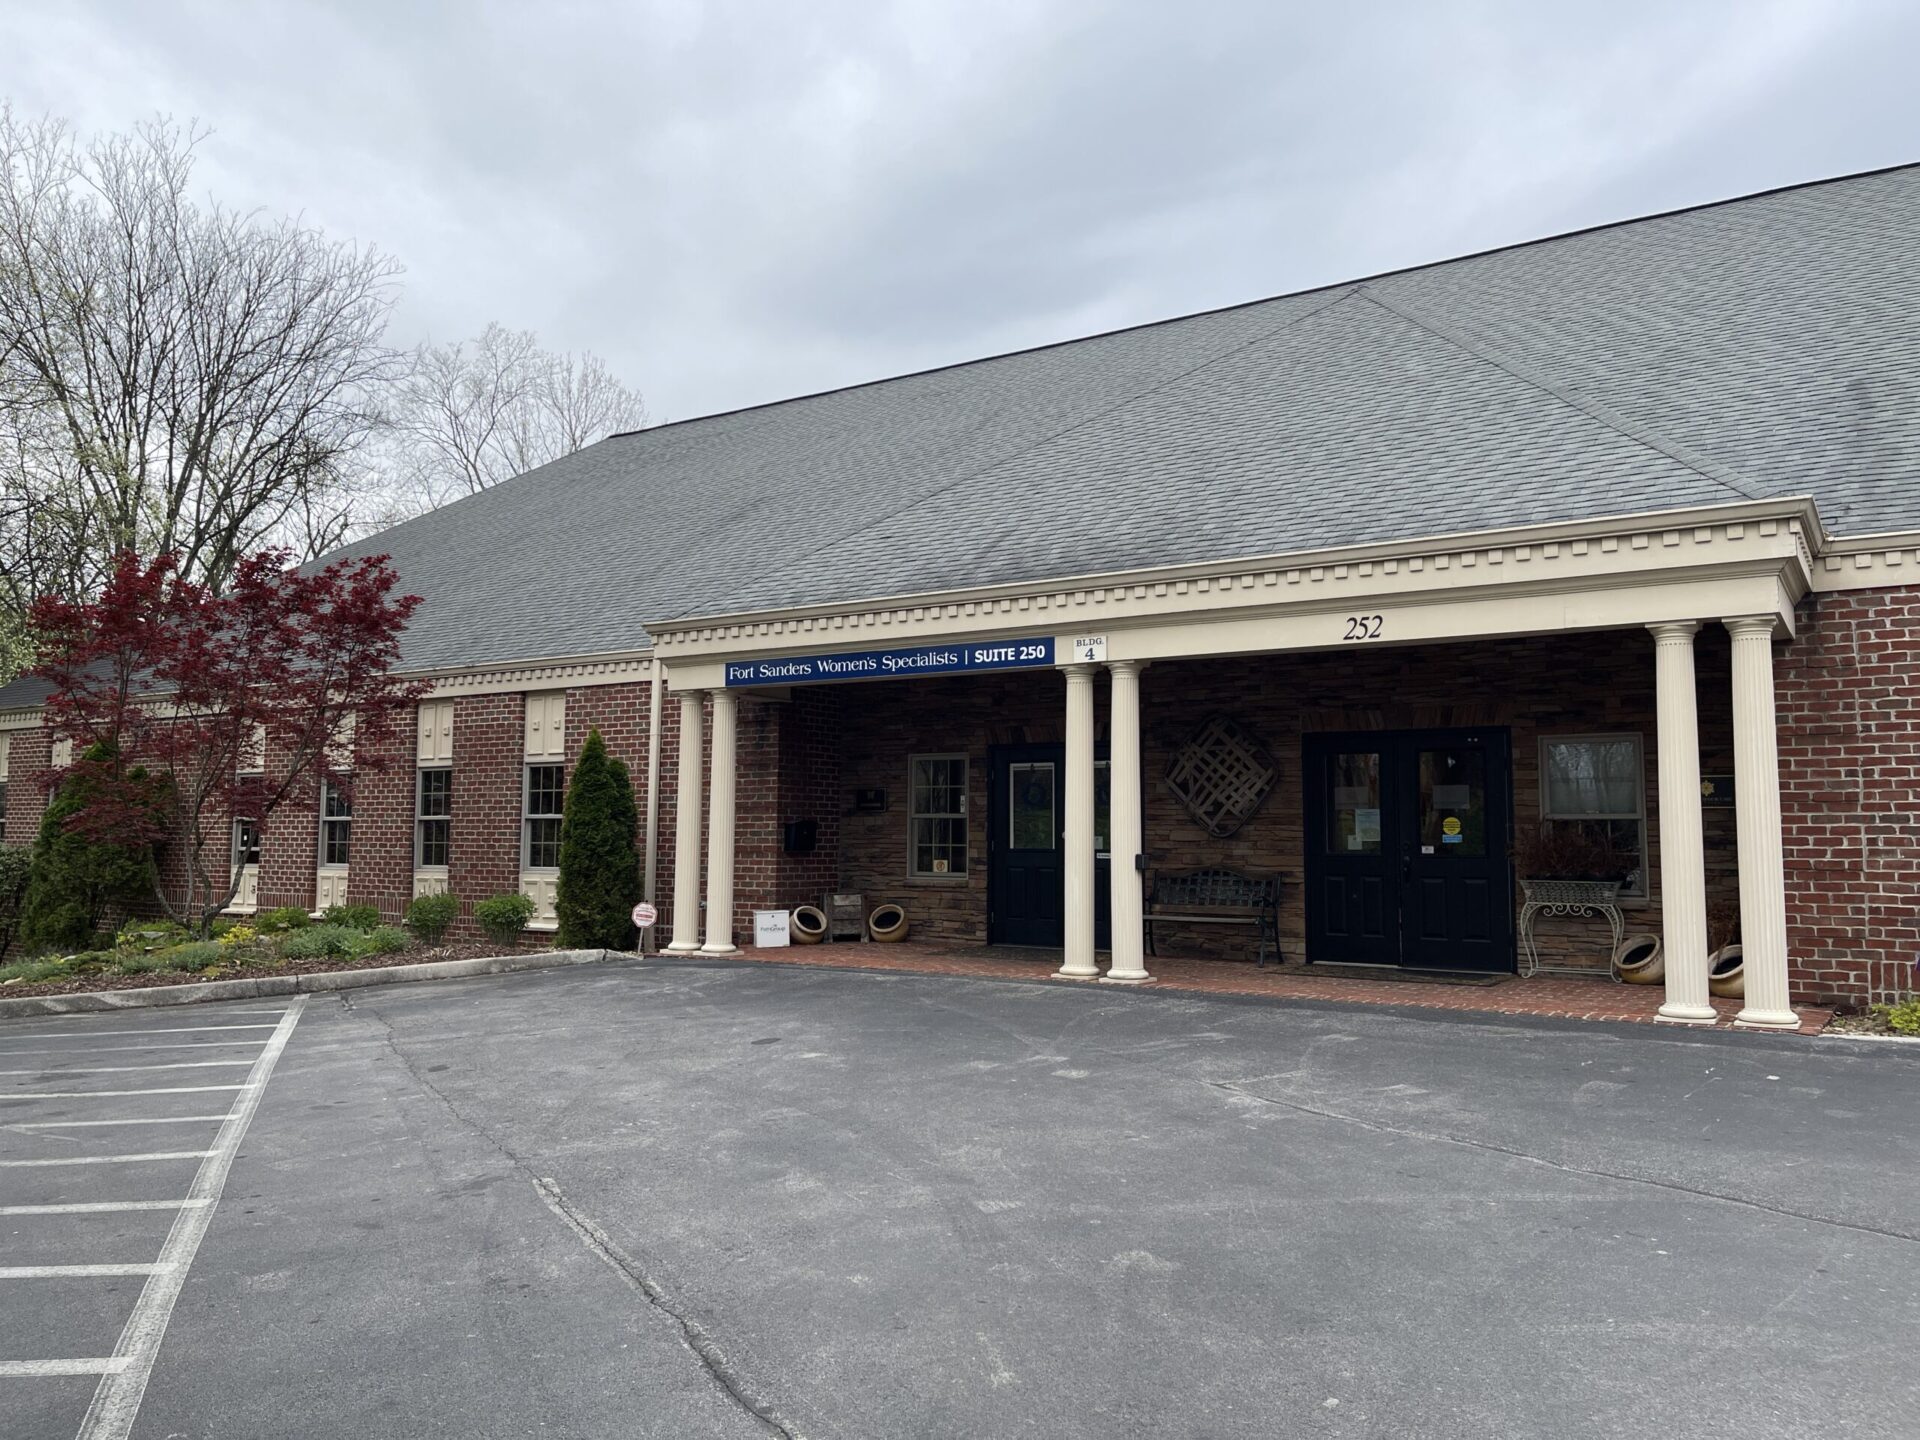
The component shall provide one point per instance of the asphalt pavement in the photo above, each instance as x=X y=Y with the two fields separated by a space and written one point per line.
x=712 y=1199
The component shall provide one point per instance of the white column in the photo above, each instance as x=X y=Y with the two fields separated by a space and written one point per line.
x=687 y=775
x=1078 y=784
x=720 y=829
x=1683 y=869
x=1125 y=840
x=1756 y=800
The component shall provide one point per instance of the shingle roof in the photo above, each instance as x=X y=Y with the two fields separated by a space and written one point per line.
x=1767 y=346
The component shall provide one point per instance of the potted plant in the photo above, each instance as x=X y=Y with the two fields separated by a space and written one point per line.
x=1569 y=852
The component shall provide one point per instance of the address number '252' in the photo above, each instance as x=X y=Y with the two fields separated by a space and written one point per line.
x=1363 y=627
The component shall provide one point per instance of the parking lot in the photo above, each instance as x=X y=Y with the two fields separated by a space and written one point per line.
x=728 y=1200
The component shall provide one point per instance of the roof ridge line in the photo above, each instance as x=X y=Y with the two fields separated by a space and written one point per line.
x=1345 y=292
x=1703 y=465
x=1352 y=283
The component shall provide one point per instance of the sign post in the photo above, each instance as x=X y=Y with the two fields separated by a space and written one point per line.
x=644 y=916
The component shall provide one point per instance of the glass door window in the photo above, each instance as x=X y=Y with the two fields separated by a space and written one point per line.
x=1031 y=807
x=1353 y=809
x=1452 y=802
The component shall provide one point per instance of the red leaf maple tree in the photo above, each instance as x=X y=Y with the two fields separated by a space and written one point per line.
x=191 y=710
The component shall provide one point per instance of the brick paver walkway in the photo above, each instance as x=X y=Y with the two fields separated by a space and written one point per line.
x=1556 y=996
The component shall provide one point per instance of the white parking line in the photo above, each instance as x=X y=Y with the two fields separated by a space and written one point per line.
x=146 y=1120
x=90 y=1094
x=156 y=1030
x=110 y=1365
x=124 y=1069
x=109 y=1159
x=64 y=1272
x=100 y=1207
x=109 y=1049
x=116 y=1401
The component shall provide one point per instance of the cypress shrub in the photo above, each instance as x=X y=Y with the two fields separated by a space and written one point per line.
x=599 y=867
x=75 y=880
x=16 y=868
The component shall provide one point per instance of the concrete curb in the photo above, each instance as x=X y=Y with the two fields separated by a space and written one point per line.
x=93 y=1002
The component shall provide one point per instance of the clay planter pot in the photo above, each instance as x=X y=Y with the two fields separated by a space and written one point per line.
x=1639 y=961
x=1727 y=972
x=808 y=925
x=887 y=923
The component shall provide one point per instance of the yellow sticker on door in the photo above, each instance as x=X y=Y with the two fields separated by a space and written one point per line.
x=1450 y=830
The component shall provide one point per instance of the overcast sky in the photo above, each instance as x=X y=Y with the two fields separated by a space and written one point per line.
x=736 y=202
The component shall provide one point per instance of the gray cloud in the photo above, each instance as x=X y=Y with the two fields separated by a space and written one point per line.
x=739 y=201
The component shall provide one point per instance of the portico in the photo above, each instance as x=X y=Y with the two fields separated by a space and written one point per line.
x=1737 y=568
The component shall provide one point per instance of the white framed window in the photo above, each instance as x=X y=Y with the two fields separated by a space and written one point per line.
x=543 y=796
x=432 y=817
x=1599 y=783
x=336 y=825
x=937 y=816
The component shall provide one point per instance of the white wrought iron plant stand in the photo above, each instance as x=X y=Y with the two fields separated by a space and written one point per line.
x=1577 y=899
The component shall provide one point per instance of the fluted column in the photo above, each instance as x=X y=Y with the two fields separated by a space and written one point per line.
x=720 y=828
x=1756 y=799
x=688 y=772
x=1683 y=869
x=1126 y=897
x=1079 y=837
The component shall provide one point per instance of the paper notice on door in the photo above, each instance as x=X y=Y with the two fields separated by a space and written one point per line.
x=1452 y=797
x=1366 y=826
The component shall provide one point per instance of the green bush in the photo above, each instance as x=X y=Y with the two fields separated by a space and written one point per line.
x=504 y=917
x=320 y=942
x=142 y=964
x=194 y=955
x=353 y=917
x=384 y=940
x=431 y=916
x=1903 y=1018
x=150 y=935
x=16 y=868
x=599 y=867
x=32 y=972
x=278 y=922
x=76 y=879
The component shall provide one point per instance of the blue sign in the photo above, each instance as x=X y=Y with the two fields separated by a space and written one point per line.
x=895 y=664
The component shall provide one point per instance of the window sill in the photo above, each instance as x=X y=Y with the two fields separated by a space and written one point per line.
x=939 y=882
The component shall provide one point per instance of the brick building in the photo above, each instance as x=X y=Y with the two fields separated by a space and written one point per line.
x=1365 y=588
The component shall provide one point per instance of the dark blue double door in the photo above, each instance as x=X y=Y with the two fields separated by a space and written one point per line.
x=1026 y=846
x=1407 y=848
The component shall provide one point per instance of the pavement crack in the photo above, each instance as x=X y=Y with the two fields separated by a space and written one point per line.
x=1592 y=1172
x=692 y=1331
x=693 y=1334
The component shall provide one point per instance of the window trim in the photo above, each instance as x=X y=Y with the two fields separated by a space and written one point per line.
x=335 y=866
x=1644 y=891
x=964 y=815
x=527 y=817
x=420 y=867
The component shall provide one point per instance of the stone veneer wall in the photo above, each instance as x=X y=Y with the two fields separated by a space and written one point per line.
x=1562 y=685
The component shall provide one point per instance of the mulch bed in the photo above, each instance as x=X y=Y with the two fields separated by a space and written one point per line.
x=108 y=980
x=1859 y=1022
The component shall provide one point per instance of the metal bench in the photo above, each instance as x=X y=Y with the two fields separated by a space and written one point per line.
x=1217 y=897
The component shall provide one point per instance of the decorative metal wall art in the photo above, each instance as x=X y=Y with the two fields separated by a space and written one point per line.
x=1222 y=774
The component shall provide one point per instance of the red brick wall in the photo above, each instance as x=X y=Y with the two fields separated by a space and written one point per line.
x=26 y=785
x=1849 y=710
x=489 y=751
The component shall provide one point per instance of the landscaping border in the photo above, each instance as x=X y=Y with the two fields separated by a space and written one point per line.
x=250 y=987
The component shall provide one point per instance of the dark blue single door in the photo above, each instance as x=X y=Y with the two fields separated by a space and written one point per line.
x=1026 y=847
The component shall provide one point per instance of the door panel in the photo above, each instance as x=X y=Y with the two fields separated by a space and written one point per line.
x=1350 y=871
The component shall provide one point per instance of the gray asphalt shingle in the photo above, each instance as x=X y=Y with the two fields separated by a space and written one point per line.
x=1762 y=347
